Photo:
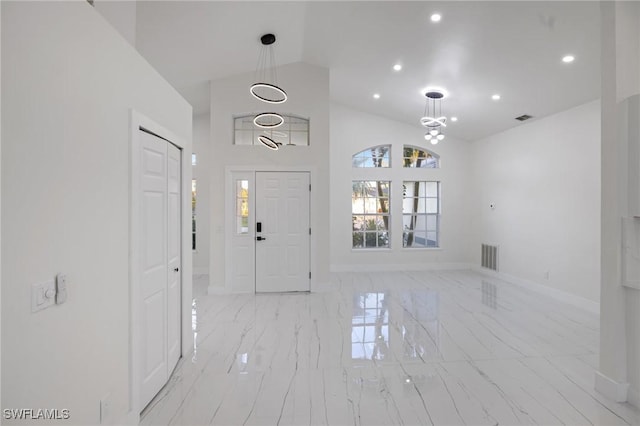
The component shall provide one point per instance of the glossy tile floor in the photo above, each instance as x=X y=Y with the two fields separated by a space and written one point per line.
x=415 y=348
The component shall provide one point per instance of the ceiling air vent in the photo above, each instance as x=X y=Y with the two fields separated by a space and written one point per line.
x=523 y=117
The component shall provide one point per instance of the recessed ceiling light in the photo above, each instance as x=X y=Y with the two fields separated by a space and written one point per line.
x=568 y=59
x=454 y=119
x=436 y=17
x=376 y=96
x=495 y=97
x=397 y=67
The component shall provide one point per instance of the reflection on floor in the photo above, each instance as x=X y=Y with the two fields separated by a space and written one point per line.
x=414 y=348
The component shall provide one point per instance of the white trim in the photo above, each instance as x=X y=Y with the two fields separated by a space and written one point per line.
x=613 y=390
x=399 y=267
x=216 y=289
x=137 y=121
x=563 y=296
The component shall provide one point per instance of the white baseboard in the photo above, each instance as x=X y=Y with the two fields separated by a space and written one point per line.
x=130 y=419
x=398 y=267
x=613 y=390
x=216 y=289
x=633 y=397
x=323 y=287
x=563 y=296
x=200 y=271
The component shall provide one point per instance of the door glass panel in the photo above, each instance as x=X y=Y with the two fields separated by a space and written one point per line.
x=193 y=213
x=242 y=206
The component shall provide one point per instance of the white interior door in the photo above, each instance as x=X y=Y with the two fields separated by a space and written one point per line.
x=159 y=258
x=282 y=242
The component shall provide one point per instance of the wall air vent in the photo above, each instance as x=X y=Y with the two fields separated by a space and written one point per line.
x=489 y=257
x=524 y=117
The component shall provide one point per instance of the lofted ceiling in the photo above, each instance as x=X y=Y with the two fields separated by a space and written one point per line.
x=476 y=50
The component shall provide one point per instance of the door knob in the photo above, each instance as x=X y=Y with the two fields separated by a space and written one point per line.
x=176 y=269
x=260 y=238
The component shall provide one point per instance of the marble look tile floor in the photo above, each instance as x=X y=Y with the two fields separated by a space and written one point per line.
x=397 y=348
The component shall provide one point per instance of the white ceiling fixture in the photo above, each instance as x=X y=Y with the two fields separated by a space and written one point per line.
x=376 y=96
x=567 y=59
x=436 y=17
x=495 y=97
x=397 y=67
x=433 y=119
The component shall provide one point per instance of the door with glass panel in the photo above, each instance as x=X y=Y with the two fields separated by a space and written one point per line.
x=240 y=263
x=270 y=233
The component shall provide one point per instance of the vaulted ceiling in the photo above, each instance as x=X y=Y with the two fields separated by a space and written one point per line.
x=477 y=49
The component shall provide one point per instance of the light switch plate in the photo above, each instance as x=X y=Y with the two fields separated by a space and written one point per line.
x=43 y=295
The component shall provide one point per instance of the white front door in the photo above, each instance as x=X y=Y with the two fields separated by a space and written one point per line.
x=282 y=232
x=160 y=263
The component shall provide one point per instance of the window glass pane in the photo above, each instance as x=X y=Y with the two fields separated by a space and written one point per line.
x=370 y=214
x=432 y=205
x=242 y=206
x=432 y=189
x=432 y=223
x=299 y=138
x=420 y=218
x=194 y=159
x=244 y=137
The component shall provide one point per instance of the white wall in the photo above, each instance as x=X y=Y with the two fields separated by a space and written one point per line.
x=308 y=89
x=121 y=14
x=544 y=178
x=201 y=172
x=351 y=132
x=69 y=81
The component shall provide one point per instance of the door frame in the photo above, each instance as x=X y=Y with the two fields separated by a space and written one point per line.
x=229 y=212
x=138 y=121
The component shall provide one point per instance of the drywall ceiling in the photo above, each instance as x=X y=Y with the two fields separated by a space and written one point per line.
x=476 y=50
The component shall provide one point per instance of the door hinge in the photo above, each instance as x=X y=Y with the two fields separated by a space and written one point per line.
x=309 y=187
x=309 y=275
x=309 y=231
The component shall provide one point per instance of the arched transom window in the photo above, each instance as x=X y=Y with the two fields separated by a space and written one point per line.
x=375 y=156
x=416 y=157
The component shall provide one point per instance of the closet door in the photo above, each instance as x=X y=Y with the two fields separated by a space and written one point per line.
x=153 y=259
x=160 y=263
